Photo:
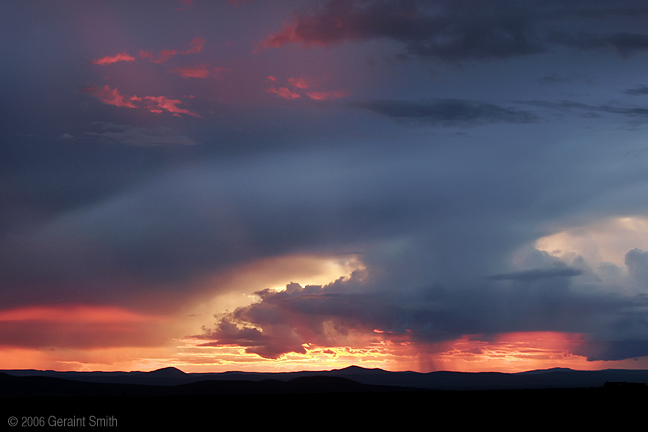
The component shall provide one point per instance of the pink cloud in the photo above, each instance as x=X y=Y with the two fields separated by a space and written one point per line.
x=285 y=36
x=113 y=59
x=156 y=105
x=110 y=96
x=195 y=46
x=165 y=55
x=81 y=326
x=145 y=54
x=300 y=83
x=235 y=3
x=199 y=71
x=171 y=105
x=187 y=3
x=283 y=92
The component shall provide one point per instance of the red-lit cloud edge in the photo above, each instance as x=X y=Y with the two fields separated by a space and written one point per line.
x=86 y=337
x=154 y=104
x=195 y=47
x=304 y=86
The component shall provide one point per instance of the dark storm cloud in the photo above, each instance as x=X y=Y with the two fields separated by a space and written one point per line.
x=203 y=219
x=626 y=44
x=537 y=274
x=637 y=91
x=636 y=113
x=106 y=201
x=447 y=112
x=281 y=322
x=556 y=78
x=467 y=29
x=138 y=136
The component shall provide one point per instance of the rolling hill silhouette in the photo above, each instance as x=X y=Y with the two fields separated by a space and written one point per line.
x=172 y=398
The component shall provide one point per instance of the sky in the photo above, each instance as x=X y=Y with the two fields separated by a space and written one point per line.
x=301 y=185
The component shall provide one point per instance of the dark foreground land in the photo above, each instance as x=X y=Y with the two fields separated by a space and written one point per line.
x=442 y=410
x=43 y=402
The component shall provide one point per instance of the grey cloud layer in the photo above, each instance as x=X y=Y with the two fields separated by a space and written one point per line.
x=436 y=229
x=447 y=112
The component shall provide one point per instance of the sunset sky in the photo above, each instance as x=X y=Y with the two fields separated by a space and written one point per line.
x=273 y=185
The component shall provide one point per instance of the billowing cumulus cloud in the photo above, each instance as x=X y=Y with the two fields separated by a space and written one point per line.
x=347 y=310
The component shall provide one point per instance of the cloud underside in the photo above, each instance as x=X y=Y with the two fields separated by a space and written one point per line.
x=447 y=112
x=461 y=30
x=427 y=259
x=340 y=313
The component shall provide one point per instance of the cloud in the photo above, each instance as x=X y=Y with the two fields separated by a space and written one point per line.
x=637 y=262
x=451 y=31
x=637 y=91
x=358 y=309
x=626 y=44
x=145 y=54
x=109 y=96
x=300 y=83
x=303 y=83
x=409 y=213
x=328 y=95
x=199 y=71
x=79 y=326
x=593 y=110
x=461 y=29
x=195 y=46
x=556 y=78
x=164 y=55
x=159 y=103
x=283 y=92
x=538 y=274
x=139 y=136
x=114 y=59
x=446 y=111
x=156 y=104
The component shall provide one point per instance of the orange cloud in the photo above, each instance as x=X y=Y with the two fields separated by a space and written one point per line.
x=283 y=92
x=195 y=46
x=78 y=326
x=161 y=103
x=113 y=59
x=110 y=96
x=70 y=313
